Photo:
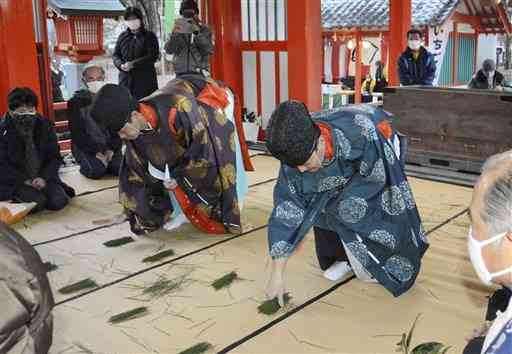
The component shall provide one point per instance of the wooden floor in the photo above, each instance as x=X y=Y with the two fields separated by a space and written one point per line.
x=325 y=317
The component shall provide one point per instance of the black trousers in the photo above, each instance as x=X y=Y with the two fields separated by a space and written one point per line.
x=52 y=197
x=93 y=168
x=474 y=346
x=329 y=248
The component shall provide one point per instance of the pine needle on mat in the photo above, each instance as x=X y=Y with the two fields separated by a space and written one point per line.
x=118 y=242
x=225 y=281
x=161 y=287
x=159 y=256
x=270 y=307
x=50 y=267
x=198 y=348
x=129 y=315
x=79 y=286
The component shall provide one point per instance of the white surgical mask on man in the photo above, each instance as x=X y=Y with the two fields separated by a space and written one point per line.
x=414 y=44
x=134 y=25
x=475 y=254
x=95 y=86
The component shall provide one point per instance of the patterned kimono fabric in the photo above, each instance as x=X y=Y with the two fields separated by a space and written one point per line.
x=193 y=137
x=362 y=194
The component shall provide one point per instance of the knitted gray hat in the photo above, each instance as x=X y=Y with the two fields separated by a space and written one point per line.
x=292 y=135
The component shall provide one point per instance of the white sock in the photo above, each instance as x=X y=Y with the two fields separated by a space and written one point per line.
x=337 y=271
x=176 y=222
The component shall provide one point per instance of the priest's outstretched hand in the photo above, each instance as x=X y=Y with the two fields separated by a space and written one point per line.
x=276 y=286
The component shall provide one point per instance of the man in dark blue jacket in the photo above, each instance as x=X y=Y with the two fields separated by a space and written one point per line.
x=30 y=155
x=416 y=66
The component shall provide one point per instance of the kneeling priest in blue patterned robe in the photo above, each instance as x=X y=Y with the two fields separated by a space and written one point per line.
x=342 y=173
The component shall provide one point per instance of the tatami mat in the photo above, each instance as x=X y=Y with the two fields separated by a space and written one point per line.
x=355 y=318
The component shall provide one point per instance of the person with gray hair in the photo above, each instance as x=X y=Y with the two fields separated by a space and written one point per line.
x=490 y=251
x=487 y=78
x=97 y=151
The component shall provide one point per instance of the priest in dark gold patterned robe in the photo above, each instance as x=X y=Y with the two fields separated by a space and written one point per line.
x=183 y=154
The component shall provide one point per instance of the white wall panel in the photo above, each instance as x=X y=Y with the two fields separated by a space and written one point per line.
x=245 y=20
x=283 y=75
x=271 y=11
x=252 y=18
x=262 y=20
x=281 y=20
x=249 y=78
x=268 y=85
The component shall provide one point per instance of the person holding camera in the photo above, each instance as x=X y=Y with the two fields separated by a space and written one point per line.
x=191 y=42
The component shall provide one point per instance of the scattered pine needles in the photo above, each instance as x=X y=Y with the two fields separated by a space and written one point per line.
x=225 y=281
x=129 y=315
x=270 y=307
x=198 y=348
x=79 y=286
x=159 y=256
x=161 y=287
x=118 y=242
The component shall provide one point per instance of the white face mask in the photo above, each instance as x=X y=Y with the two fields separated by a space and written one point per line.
x=95 y=86
x=475 y=254
x=133 y=24
x=414 y=44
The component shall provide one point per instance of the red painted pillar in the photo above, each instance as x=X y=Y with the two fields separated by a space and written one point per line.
x=359 y=67
x=304 y=48
x=399 y=24
x=19 y=64
x=225 y=19
x=384 y=49
x=335 y=67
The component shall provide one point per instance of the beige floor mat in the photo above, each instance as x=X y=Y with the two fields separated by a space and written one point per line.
x=81 y=184
x=85 y=256
x=356 y=317
x=85 y=211
x=362 y=318
x=352 y=318
x=77 y=216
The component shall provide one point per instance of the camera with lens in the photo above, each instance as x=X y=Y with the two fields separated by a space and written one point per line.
x=186 y=25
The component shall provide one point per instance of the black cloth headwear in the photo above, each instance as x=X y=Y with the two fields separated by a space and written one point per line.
x=133 y=11
x=113 y=106
x=190 y=5
x=291 y=135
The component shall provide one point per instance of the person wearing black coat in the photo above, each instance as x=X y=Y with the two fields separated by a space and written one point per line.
x=96 y=150
x=487 y=78
x=30 y=156
x=135 y=55
x=416 y=65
